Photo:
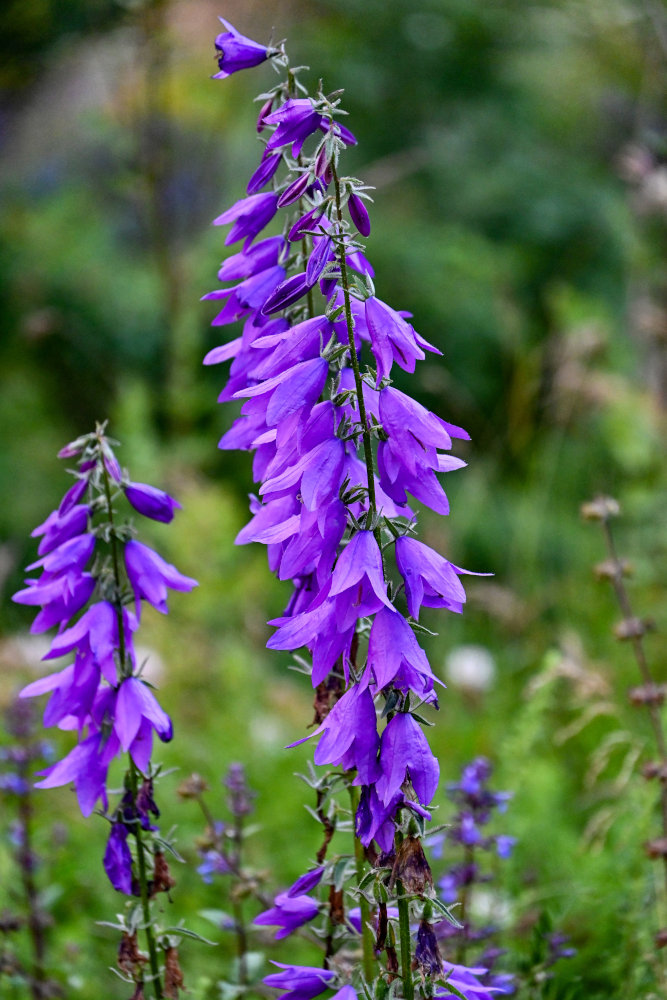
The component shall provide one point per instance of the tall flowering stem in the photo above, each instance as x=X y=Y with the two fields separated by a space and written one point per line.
x=650 y=694
x=95 y=578
x=337 y=449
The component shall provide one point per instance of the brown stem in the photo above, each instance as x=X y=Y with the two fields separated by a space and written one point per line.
x=637 y=643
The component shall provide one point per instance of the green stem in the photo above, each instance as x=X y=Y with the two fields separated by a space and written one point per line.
x=366 y=933
x=354 y=361
x=406 y=941
x=133 y=772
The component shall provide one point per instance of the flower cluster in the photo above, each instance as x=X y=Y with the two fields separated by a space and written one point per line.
x=93 y=580
x=465 y=833
x=339 y=456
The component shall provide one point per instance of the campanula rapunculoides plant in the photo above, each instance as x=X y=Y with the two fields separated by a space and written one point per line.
x=93 y=581
x=337 y=449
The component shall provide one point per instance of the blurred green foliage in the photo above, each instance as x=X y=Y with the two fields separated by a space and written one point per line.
x=512 y=218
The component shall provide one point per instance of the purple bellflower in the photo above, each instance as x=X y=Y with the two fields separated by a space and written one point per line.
x=338 y=456
x=100 y=694
x=235 y=52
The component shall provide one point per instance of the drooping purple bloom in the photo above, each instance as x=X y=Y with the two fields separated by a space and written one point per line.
x=392 y=339
x=249 y=216
x=235 y=52
x=359 y=214
x=150 y=575
x=152 y=502
x=395 y=657
x=404 y=752
x=118 y=859
x=306 y=882
x=136 y=714
x=265 y=171
x=61 y=526
x=430 y=580
x=288 y=914
x=301 y=982
x=86 y=766
x=296 y=119
x=350 y=735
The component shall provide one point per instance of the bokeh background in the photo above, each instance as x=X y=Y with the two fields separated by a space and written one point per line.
x=518 y=150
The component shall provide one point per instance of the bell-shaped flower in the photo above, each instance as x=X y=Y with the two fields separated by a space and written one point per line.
x=350 y=737
x=430 y=580
x=150 y=575
x=405 y=753
x=136 y=714
x=61 y=526
x=296 y=119
x=395 y=657
x=301 y=982
x=152 y=502
x=392 y=339
x=86 y=766
x=118 y=859
x=97 y=631
x=235 y=52
x=265 y=171
x=287 y=392
x=249 y=216
x=288 y=914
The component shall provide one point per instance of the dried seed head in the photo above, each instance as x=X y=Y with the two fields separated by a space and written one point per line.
x=656 y=848
x=654 y=769
x=173 y=974
x=600 y=509
x=162 y=880
x=633 y=628
x=648 y=694
x=613 y=569
x=192 y=787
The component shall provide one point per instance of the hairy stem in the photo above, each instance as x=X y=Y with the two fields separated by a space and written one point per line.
x=644 y=669
x=133 y=771
x=366 y=933
x=406 y=941
x=354 y=361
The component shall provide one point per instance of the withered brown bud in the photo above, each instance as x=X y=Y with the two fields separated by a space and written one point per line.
x=611 y=569
x=138 y=992
x=162 y=880
x=633 y=628
x=648 y=694
x=392 y=963
x=600 y=509
x=336 y=905
x=192 y=787
x=173 y=974
x=661 y=938
x=654 y=769
x=411 y=867
x=427 y=953
x=656 y=848
x=130 y=959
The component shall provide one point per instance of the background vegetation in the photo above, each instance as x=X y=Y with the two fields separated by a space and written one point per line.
x=518 y=152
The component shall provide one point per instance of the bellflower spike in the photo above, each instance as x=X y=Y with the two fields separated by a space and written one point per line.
x=235 y=52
